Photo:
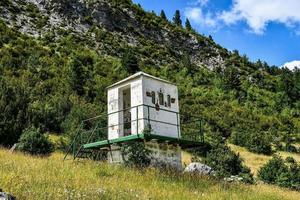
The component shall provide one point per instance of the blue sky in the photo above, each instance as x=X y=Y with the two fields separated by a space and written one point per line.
x=262 y=29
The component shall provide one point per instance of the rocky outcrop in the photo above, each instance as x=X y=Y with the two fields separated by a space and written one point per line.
x=124 y=22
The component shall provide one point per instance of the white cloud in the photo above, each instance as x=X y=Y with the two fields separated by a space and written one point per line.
x=196 y=14
x=258 y=13
x=292 y=65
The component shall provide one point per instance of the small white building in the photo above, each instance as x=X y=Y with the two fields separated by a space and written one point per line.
x=142 y=100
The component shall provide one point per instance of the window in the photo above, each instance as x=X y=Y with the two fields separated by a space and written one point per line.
x=169 y=100
x=161 y=98
x=153 y=97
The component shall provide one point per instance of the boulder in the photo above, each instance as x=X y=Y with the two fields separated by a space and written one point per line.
x=6 y=196
x=199 y=168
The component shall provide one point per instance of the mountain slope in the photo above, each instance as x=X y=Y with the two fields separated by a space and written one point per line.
x=121 y=22
x=58 y=57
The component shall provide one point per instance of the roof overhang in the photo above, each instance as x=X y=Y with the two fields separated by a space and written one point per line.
x=137 y=75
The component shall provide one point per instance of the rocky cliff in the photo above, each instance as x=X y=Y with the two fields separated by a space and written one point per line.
x=110 y=26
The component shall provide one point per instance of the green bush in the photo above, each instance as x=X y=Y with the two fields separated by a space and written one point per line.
x=290 y=148
x=34 y=142
x=290 y=159
x=256 y=142
x=272 y=170
x=278 y=172
x=226 y=163
x=136 y=155
x=259 y=143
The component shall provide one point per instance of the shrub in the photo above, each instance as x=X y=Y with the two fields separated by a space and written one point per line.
x=290 y=148
x=272 y=170
x=278 y=172
x=290 y=159
x=239 y=137
x=136 y=155
x=294 y=171
x=34 y=142
x=256 y=142
x=225 y=162
x=259 y=143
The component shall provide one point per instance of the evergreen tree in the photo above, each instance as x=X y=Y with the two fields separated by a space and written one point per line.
x=231 y=78
x=177 y=19
x=77 y=77
x=186 y=62
x=130 y=61
x=163 y=15
x=188 y=25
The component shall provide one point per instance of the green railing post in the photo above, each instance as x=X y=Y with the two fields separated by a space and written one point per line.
x=178 y=130
x=149 y=126
x=137 y=120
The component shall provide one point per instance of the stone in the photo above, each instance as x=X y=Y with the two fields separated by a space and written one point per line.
x=233 y=178
x=6 y=196
x=196 y=167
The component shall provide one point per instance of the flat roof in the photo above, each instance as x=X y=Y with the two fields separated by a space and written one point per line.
x=136 y=75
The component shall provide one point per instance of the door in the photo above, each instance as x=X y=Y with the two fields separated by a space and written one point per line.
x=127 y=111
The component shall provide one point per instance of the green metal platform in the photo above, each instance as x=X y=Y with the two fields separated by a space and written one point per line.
x=92 y=134
x=183 y=143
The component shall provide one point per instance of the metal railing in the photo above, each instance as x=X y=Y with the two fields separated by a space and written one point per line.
x=95 y=129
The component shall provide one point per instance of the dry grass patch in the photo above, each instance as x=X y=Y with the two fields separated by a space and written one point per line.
x=255 y=161
x=30 y=177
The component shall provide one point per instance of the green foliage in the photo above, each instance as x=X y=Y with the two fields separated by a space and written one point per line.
x=177 y=18
x=225 y=162
x=13 y=106
x=188 y=25
x=276 y=171
x=54 y=81
x=130 y=61
x=290 y=159
x=232 y=78
x=34 y=142
x=289 y=147
x=163 y=15
x=290 y=84
x=259 y=143
x=270 y=172
x=136 y=155
x=186 y=63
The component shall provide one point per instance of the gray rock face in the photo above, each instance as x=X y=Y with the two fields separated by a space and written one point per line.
x=196 y=167
x=124 y=23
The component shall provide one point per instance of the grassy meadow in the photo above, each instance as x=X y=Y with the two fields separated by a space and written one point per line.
x=255 y=161
x=29 y=177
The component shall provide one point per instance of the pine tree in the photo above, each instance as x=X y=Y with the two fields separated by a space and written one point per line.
x=188 y=25
x=130 y=61
x=176 y=19
x=77 y=75
x=163 y=15
x=186 y=62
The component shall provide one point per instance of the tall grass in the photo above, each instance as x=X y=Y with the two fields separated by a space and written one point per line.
x=29 y=177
